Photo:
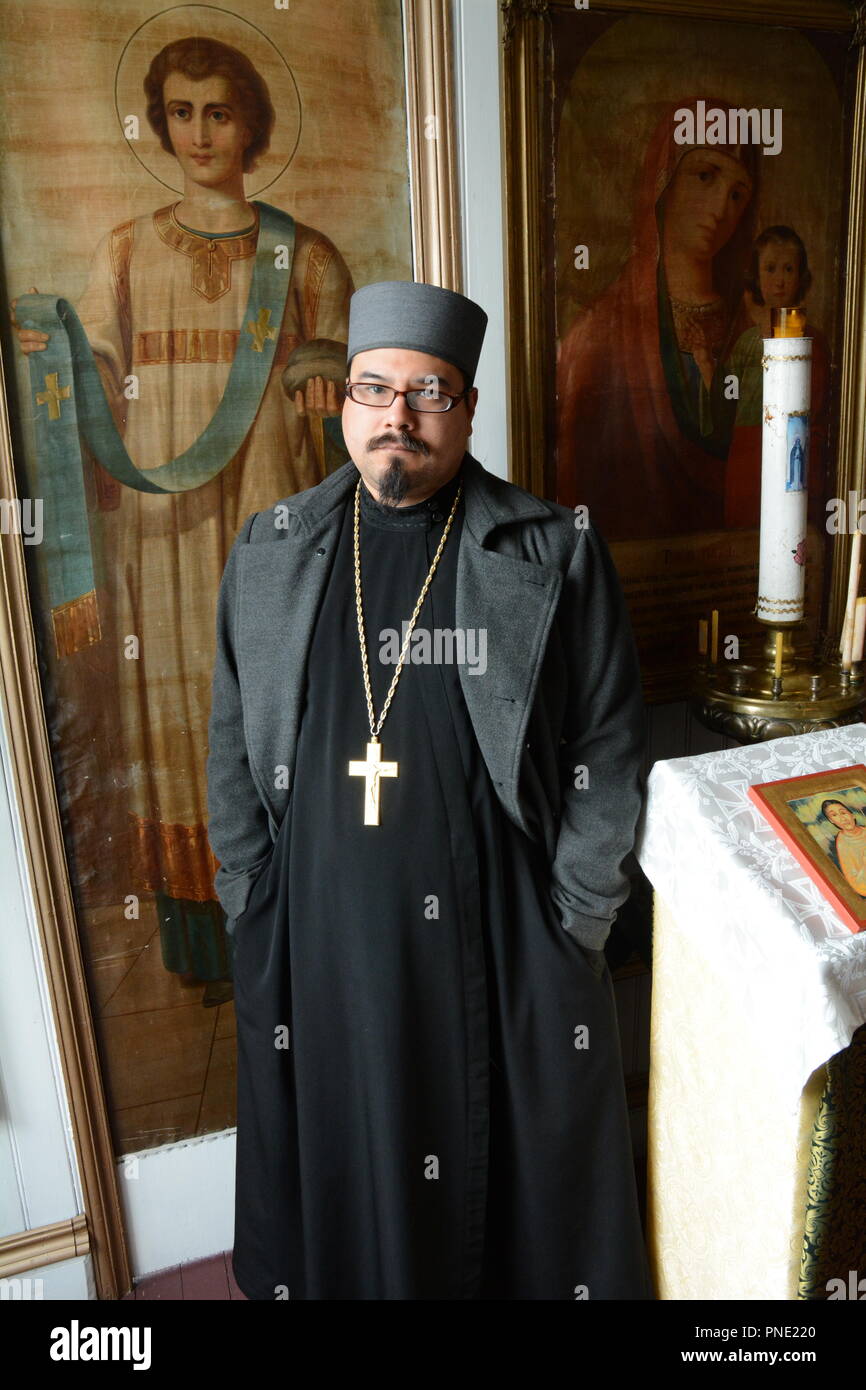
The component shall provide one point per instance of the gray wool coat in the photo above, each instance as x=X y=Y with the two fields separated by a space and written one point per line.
x=558 y=712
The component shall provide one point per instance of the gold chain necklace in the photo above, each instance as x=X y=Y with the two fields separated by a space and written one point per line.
x=372 y=767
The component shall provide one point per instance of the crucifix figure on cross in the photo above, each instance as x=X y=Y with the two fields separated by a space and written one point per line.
x=372 y=768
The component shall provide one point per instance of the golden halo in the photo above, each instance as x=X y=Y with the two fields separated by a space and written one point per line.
x=206 y=21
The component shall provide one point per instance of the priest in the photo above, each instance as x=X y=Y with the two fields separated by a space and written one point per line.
x=421 y=857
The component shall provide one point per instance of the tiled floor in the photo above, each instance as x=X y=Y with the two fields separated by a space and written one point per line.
x=203 y=1281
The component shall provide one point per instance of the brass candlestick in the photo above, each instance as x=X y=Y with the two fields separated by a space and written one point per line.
x=748 y=701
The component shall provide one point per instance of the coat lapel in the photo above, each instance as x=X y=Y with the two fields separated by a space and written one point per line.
x=281 y=587
x=514 y=600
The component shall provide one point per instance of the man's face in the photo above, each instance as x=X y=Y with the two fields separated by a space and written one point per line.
x=404 y=455
x=205 y=127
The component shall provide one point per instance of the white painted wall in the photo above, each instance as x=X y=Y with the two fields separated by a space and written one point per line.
x=179 y=1201
x=477 y=84
x=39 y=1181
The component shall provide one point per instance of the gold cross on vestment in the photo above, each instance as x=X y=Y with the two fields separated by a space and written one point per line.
x=53 y=395
x=372 y=768
x=261 y=330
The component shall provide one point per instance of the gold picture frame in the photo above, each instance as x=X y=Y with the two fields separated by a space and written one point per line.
x=99 y=1231
x=530 y=137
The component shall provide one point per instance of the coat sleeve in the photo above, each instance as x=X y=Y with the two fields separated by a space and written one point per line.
x=238 y=824
x=601 y=746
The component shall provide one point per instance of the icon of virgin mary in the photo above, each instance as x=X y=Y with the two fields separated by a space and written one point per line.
x=644 y=424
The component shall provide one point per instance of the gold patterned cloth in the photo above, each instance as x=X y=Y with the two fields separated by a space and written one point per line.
x=834 y=1242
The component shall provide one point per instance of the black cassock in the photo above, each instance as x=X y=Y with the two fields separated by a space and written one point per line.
x=415 y=1119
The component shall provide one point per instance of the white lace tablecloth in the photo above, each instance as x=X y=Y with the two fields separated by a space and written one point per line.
x=756 y=984
x=753 y=912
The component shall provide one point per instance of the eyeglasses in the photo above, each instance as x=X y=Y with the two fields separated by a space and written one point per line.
x=429 y=399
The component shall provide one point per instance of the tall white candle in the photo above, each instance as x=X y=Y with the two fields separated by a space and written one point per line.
x=787 y=364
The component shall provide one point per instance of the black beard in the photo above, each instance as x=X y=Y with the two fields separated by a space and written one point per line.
x=394 y=484
x=395 y=481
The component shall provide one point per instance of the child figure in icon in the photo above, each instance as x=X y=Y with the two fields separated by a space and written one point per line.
x=779 y=278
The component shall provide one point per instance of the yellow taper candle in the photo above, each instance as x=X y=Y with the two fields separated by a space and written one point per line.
x=859 y=630
x=787 y=323
x=714 y=644
x=853 y=586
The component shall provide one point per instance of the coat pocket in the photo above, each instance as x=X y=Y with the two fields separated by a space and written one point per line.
x=596 y=959
x=257 y=872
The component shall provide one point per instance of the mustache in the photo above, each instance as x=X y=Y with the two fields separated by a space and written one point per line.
x=404 y=441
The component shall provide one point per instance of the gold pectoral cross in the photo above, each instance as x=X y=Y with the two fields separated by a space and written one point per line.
x=260 y=330
x=372 y=768
x=53 y=395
